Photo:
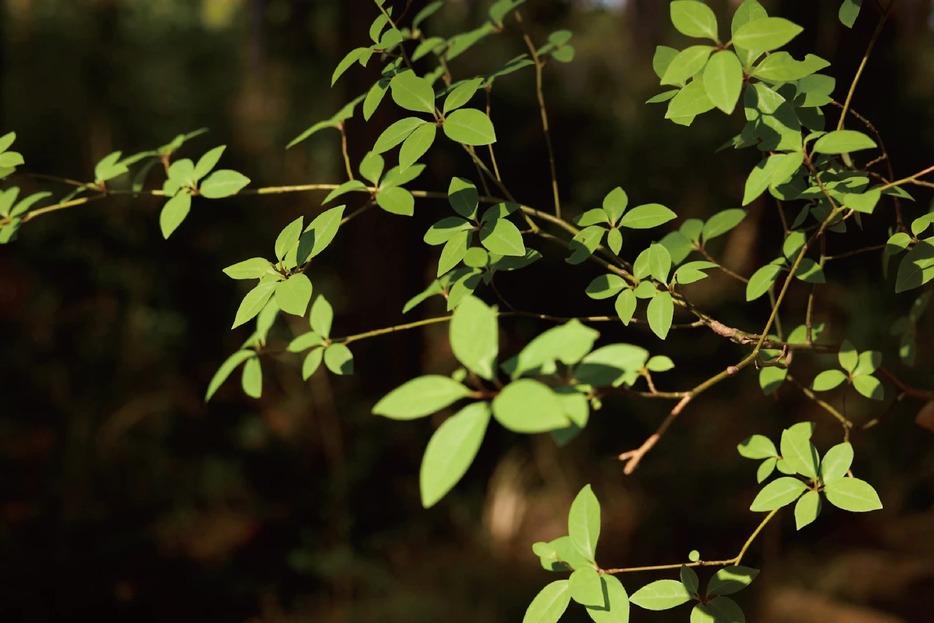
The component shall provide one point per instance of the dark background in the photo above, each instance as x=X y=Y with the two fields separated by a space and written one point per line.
x=124 y=497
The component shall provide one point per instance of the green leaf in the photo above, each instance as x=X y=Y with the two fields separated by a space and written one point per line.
x=23 y=205
x=765 y=469
x=584 y=523
x=827 y=380
x=454 y=251
x=396 y=200
x=549 y=604
x=322 y=317
x=502 y=237
x=660 y=363
x=223 y=183
x=694 y=19
x=690 y=101
x=799 y=452
x=614 y=204
x=419 y=397
x=869 y=386
x=843 y=141
x=587 y=588
x=252 y=378
x=312 y=362
x=778 y=493
x=470 y=127
x=758 y=180
x=224 y=371
x=528 y=406
x=288 y=238
x=662 y=59
x=722 y=222
x=689 y=579
x=412 y=92
x=766 y=34
x=617 y=610
x=294 y=294
x=253 y=268
x=659 y=261
x=253 y=302
x=338 y=359
x=416 y=144
x=444 y=230
x=848 y=356
x=782 y=67
x=686 y=64
x=361 y=55
x=304 y=342
x=771 y=378
x=567 y=343
x=396 y=133
x=319 y=233
x=109 y=167
x=718 y=610
x=173 y=213
x=916 y=267
x=836 y=462
x=849 y=11
x=613 y=364
x=731 y=580
x=614 y=240
x=661 y=595
x=208 y=161
x=852 y=494
x=757 y=447
x=807 y=509
x=647 y=216
x=451 y=450
x=584 y=243
x=762 y=280
x=625 y=305
x=6 y=141
x=605 y=286
x=659 y=313
x=723 y=80
x=371 y=167
x=463 y=197
x=343 y=189
x=461 y=94
x=475 y=337
x=692 y=272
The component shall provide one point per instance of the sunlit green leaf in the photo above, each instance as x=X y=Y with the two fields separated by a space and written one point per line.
x=587 y=587
x=451 y=450
x=528 y=406
x=729 y=580
x=780 y=492
x=661 y=595
x=475 y=337
x=852 y=494
x=757 y=447
x=469 y=126
x=253 y=302
x=549 y=604
x=293 y=294
x=173 y=213
x=584 y=523
x=419 y=397
x=251 y=379
x=225 y=370
x=694 y=19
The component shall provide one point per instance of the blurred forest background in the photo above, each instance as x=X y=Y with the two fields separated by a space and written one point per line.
x=124 y=497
